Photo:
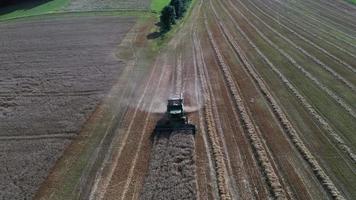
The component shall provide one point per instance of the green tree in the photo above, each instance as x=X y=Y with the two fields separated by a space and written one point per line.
x=178 y=8
x=167 y=18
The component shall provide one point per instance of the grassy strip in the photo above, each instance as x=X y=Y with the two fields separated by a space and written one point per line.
x=158 y=5
x=352 y=1
x=56 y=14
x=22 y=10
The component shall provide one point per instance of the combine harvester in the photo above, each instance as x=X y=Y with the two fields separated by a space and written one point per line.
x=172 y=170
x=175 y=118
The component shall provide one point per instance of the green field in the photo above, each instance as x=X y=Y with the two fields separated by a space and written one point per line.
x=29 y=9
x=157 y=5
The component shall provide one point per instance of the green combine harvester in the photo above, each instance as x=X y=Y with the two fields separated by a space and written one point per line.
x=175 y=118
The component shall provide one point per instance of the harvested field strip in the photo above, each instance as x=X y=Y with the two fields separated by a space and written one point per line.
x=245 y=176
x=172 y=167
x=334 y=101
x=327 y=22
x=242 y=170
x=285 y=123
x=272 y=177
x=326 y=16
x=303 y=30
x=294 y=63
x=295 y=17
x=335 y=10
x=202 y=129
x=324 y=124
x=317 y=9
x=327 y=77
x=144 y=131
x=320 y=24
x=217 y=113
x=139 y=136
x=36 y=137
x=220 y=166
x=341 y=6
x=98 y=190
x=338 y=6
x=321 y=7
x=316 y=60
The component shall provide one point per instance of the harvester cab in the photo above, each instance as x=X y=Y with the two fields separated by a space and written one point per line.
x=175 y=118
x=175 y=110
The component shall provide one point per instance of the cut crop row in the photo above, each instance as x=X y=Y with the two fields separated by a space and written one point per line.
x=293 y=15
x=341 y=143
x=316 y=60
x=285 y=123
x=262 y=156
x=301 y=28
x=334 y=96
x=324 y=6
x=327 y=16
x=218 y=155
x=317 y=23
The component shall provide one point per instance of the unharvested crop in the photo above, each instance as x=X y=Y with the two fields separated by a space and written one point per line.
x=172 y=169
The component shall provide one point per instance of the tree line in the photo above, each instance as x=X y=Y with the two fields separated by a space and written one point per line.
x=172 y=12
